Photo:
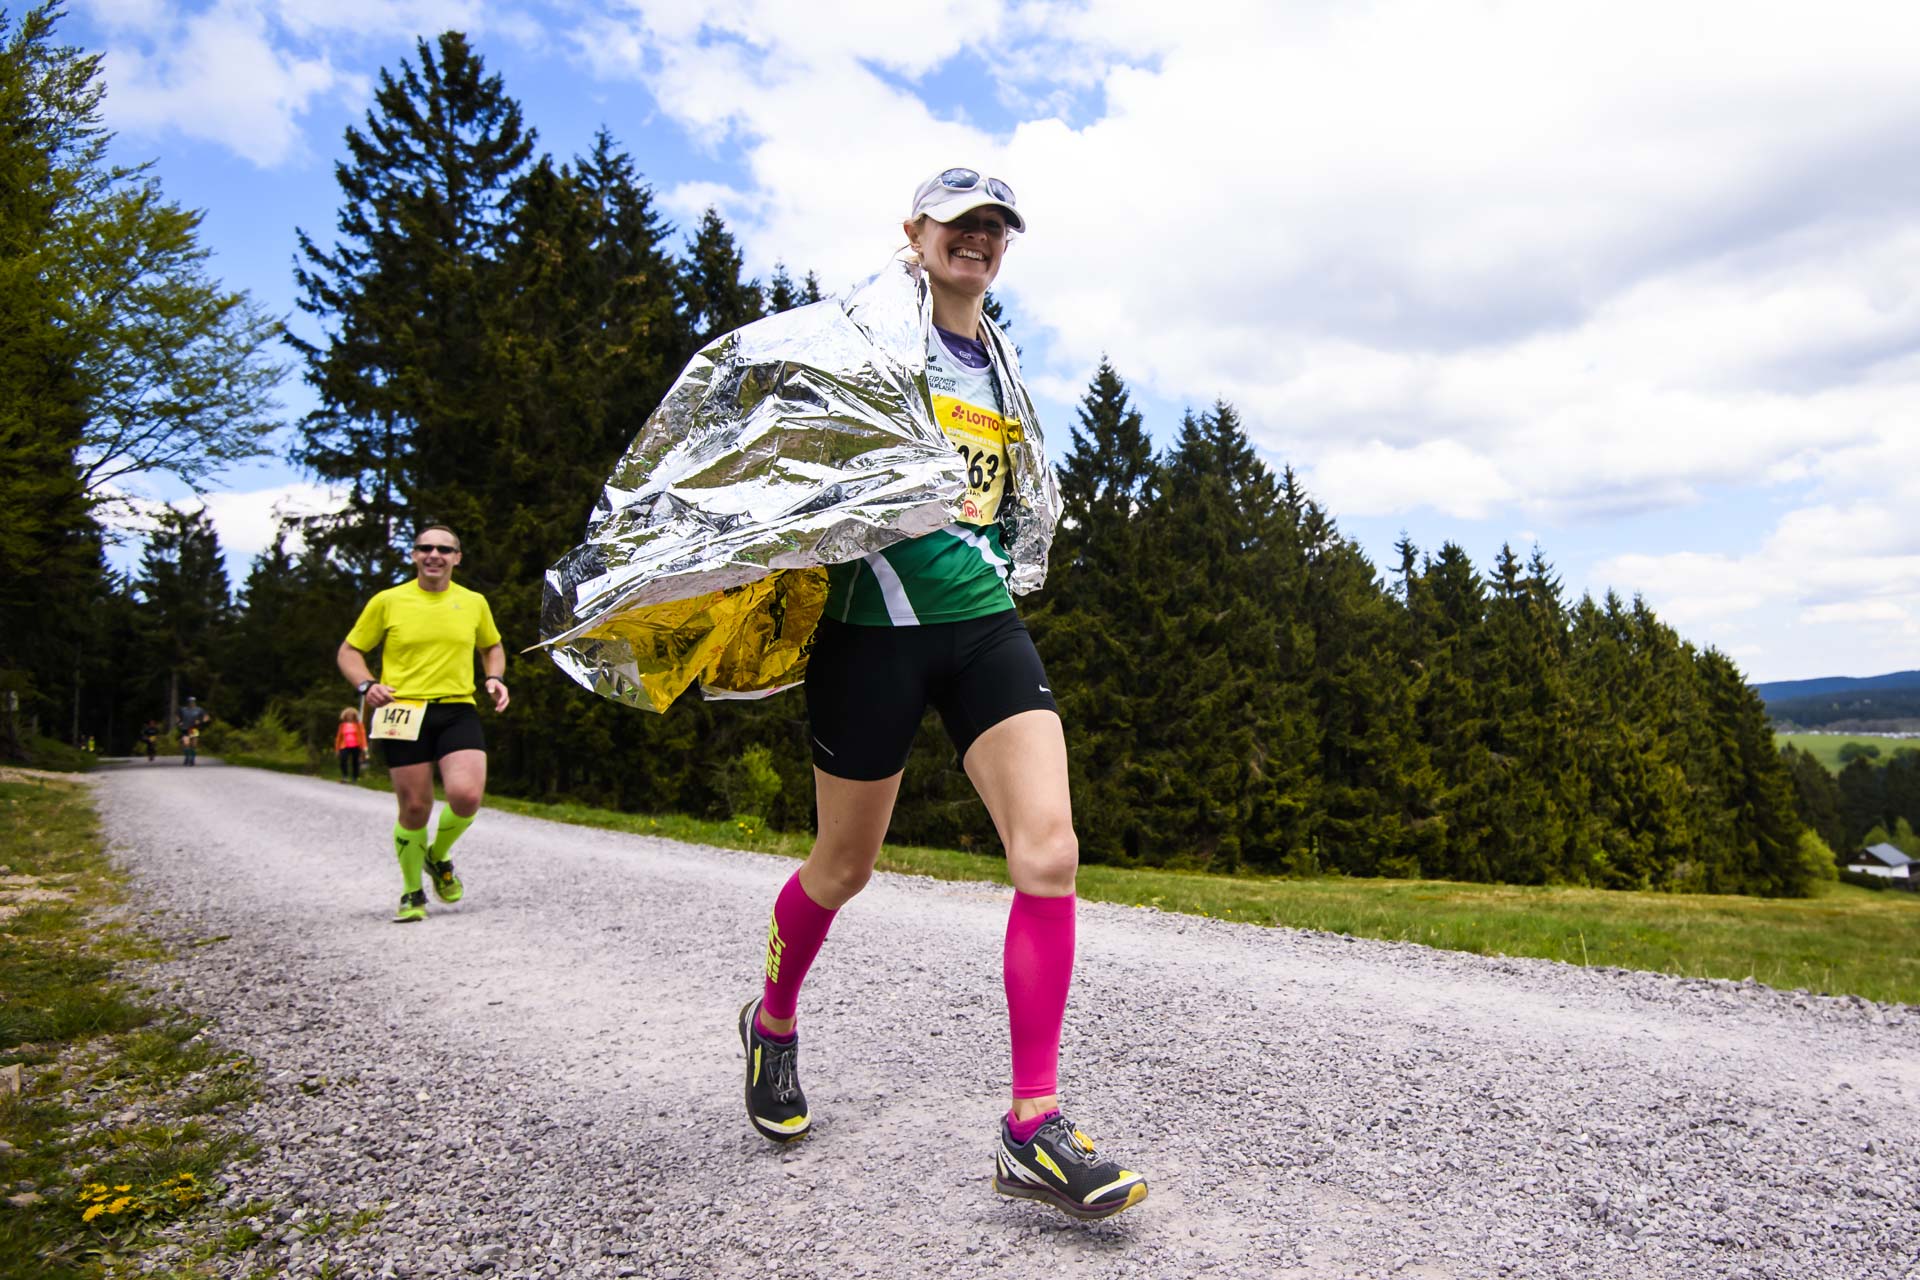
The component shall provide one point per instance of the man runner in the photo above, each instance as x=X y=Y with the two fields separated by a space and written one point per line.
x=421 y=708
x=193 y=718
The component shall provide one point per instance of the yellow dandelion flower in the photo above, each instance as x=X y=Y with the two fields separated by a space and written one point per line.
x=93 y=1212
x=125 y=1186
x=120 y=1205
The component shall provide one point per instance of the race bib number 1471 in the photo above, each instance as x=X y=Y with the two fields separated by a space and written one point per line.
x=399 y=720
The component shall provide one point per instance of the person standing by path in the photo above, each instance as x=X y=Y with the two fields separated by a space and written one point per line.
x=349 y=742
x=423 y=702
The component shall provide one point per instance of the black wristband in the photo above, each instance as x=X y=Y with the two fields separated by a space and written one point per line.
x=363 y=686
x=501 y=679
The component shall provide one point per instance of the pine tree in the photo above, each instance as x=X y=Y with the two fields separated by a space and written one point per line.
x=1863 y=802
x=1816 y=796
x=782 y=294
x=1229 y=750
x=1376 y=811
x=1537 y=794
x=1456 y=714
x=1087 y=623
x=716 y=297
x=293 y=610
x=402 y=299
x=184 y=604
x=1765 y=831
x=585 y=337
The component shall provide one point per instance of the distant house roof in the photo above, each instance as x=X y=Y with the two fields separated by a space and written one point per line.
x=1886 y=855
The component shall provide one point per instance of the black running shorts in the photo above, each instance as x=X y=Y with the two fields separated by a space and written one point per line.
x=868 y=687
x=446 y=728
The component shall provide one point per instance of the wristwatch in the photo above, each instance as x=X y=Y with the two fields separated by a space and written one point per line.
x=362 y=687
x=501 y=679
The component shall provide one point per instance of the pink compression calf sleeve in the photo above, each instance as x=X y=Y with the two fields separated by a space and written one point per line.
x=794 y=934
x=1039 y=968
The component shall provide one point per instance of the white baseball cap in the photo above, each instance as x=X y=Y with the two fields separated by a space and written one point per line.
x=952 y=192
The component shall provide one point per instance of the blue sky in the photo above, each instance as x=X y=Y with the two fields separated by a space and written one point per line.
x=1637 y=282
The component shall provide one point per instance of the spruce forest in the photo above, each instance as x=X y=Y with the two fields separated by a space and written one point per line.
x=488 y=326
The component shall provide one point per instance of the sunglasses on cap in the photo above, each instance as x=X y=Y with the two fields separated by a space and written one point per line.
x=967 y=180
x=425 y=547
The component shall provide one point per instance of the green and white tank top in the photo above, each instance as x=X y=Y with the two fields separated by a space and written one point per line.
x=959 y=571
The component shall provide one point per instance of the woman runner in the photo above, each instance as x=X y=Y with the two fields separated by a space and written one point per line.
x=931 y=621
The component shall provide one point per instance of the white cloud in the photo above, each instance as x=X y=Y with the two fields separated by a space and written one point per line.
x=243 y=74
x=217 y=75
x=1839 y=575
x=1379 y=479
x=1587 y=253
x=247 y=522
x=1857 y=611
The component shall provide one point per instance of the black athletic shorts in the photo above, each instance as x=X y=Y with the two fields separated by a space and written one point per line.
x=868 y=687
x=448 y=727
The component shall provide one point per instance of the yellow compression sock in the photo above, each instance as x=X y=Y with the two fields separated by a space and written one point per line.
x=452 y=825
x=410 y=846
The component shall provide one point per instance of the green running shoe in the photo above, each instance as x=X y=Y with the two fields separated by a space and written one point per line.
x=1057 y=1166
x=446 y=885
x=775 y=1104
x=413 y=906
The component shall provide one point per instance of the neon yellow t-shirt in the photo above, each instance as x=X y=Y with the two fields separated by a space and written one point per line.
x=429 y=639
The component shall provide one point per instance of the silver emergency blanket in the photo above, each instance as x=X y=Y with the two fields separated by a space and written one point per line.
x=798 y=441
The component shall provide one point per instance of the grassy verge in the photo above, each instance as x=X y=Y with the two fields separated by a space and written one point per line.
x=111 y=1131
x=55 y=755
x=1848 y=941
x=1825 y=747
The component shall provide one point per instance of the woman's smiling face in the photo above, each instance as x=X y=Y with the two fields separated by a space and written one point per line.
x=962 y=255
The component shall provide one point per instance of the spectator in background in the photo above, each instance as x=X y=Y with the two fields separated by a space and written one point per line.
x=350 y=741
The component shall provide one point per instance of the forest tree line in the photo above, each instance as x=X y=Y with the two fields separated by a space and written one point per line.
x=1243 y=689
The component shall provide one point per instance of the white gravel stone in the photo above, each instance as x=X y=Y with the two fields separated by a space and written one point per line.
x=544 y=1080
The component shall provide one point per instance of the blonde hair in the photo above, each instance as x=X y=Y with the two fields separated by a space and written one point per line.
x=349 y=713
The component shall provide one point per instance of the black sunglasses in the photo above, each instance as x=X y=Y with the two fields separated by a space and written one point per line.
x=424 y=547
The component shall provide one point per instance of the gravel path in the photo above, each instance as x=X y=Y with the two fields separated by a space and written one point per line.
x=545 y=1079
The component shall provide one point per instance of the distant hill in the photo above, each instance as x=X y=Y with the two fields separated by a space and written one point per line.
x=1890 y=702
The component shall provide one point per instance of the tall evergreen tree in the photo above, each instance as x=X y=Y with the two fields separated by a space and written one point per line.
x=292 y=611
x=1863 y=802
x=782 y=294
x=402 y=299
x=185 y=604
x=716 y=295
x=1376 y=812
x=1087 y=623
x=1816 y=796
x=586 y=337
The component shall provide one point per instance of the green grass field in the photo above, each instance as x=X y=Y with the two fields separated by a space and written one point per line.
x=1825 y=747
x=1847 y=942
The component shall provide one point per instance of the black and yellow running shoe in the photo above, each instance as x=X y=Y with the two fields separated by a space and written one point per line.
x=775 y=1104
x=1057 y=1166
x=413 y=906
x=446 y=885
